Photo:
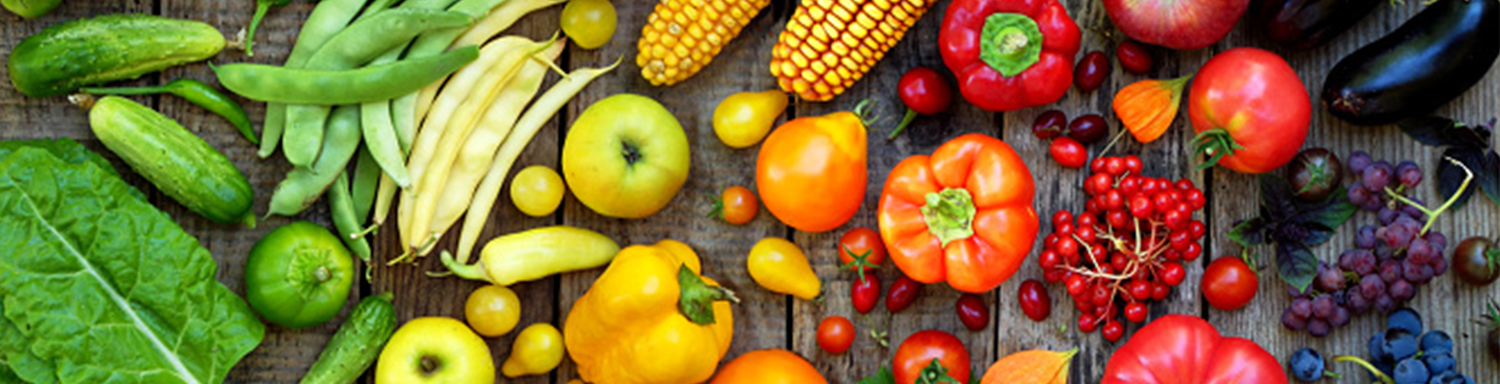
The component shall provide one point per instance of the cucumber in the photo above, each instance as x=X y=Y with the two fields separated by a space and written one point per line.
x=179 y=163
x=67 y=56
x=30 y=8
x=357 y=343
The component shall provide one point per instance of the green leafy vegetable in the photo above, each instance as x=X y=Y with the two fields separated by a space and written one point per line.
x=1294 y=226
x=101 y=286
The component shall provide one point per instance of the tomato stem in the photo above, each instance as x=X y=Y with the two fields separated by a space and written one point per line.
x=1432 y=214
x=935 y=373
x=911 y=114
x=859 y=262
x=1216 y=144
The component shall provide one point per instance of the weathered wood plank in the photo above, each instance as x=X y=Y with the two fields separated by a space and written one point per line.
x=760 y=318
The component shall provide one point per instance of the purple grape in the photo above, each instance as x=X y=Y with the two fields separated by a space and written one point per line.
x=1402 y=291
x=1383 y=252
x=1291 y=290
x=1377 y=176
x=1357 y=301
x=1438 y=241
x=1413 y=211
x=1292 y=322
x=1390 y=271
x=1371 y=286
x=1358 y=195
x=1322 y=306
x=1397 y=236
x=1366 y=237
x=1358 y=161
x=1409 y=174
x=1387 y=215
x=1384 y=304
x=1340 y=317
x=1302 y=307
x=1318 y=328
x=1411 y=224
x=1439 y=266
x=1329 y=279
x=1420 y=252
x=1364 y=262
x=1414 y=272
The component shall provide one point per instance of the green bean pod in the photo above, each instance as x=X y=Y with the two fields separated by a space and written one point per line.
x=198 y=93
x=342 y=205
x=326 y=20
x=336 y=87
x=303 y=186
x=362 y=186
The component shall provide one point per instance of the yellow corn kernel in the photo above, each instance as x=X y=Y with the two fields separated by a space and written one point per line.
x=682 y=36
x=830 y=44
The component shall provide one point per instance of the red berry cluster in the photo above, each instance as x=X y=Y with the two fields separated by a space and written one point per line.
x=1126 y=247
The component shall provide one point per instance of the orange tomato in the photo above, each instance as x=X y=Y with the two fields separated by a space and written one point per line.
x=769 y=366
x=811 y=172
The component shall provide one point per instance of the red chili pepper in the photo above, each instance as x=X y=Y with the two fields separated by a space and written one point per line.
x=924 y=92
x=1009 y=54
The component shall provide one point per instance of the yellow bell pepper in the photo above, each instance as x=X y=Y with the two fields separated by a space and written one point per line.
x=650 y=318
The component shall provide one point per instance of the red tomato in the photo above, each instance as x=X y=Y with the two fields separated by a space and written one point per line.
x=973 y=312
x=1229 y=284
x=917 y=352
x=1187 y=350
x=925 y=91
x=861 y=250
x=865 y=293
x=836 y=334
x=903 y=292
x=1249 y=104
x=1068 y=152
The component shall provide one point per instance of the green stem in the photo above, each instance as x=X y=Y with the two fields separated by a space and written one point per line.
x=935 y=373
x=911 y=114
x=696 y=299
x=1379 y=376
x=1432 y=214
x=1216 y=144
x=950 y=214
x=859 y=262
x=467 y=271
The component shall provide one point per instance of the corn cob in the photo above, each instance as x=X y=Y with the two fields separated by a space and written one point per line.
x=682 y=36
x=830 y=44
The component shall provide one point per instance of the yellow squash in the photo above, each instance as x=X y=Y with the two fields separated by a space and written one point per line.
x=650 y=318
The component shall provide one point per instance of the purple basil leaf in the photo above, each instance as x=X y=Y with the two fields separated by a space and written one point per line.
x=1248 y=233
x=1450 y=176
x=1296 y=264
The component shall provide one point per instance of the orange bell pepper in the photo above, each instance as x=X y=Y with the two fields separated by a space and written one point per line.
x=963 y=215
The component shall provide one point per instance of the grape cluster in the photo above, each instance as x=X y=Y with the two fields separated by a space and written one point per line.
x=1389 y=260
x=1401 y=355
x=1126 y=247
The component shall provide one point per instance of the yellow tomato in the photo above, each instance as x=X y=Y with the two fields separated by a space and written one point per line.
x=744 y=118
x=537 y=190
x=589 y=22
x=492 y=310
x=780 y=266
x=538 y=349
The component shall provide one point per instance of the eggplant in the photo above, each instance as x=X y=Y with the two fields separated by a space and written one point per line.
x=1427 y=62
x=1307 y=24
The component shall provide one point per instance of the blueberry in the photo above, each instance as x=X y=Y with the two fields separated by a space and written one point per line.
x=1306 y=365
x=1405 y=318
x=1449 y=377
x=1399 y=344
x=1438 y=362
x=1377 y=349
x=1410 y=371
x=1437 y=342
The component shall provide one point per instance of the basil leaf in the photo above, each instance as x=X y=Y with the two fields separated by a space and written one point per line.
x=1295 y=264
x=1487 y=176
x=1328 y=214
x=1427 y=129
x=1247 y=233
x=1450 y=176
x=882 y=377
x=1315 y=234
x=104 y=286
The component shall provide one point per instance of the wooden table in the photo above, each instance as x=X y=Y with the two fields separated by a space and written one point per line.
x=763 y=319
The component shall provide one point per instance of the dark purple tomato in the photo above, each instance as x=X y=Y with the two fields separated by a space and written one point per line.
x=1049 y=125
x=1134 y=57
x=1314 y=174
x=973 y=312
x=1476 y=261
x=1088 y=129
x=1091 y=71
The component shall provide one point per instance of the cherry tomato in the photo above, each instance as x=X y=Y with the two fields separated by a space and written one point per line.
x=1088 y=129
x=1476 y=261
x=1036 y=302
x=590 y=23
x=1315 y=173
x=1068 y=152
x=973 y=312
x=492 y=310
x=924 y=92
x=737 y=205
x=1134 y=57
x=836 y=334
x=1229 y=284
x=903 y=292
x=1091 y=72
x=861 y=250
x=537 y=191
x=1049 y=125
x=742 y=119
x=865 y=293
x=916 y=355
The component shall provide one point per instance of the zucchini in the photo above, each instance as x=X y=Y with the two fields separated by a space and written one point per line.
x=179 y=163
x=83 y=52
x=358 y=341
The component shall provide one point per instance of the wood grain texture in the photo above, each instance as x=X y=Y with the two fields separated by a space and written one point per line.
x=768 y=320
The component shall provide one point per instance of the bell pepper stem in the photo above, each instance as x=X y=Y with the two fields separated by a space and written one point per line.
x=696 y=301
x=1010 y=43
x=950 y=214
x=911 y=114
x=467 y=271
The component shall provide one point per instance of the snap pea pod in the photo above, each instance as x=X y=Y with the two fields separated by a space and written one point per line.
x=342 y=205
x=309 y=87
x=303 y=186
x=261 y=7
x=381 y=134
x=375 y=7
x=355 y=46
x=326 y=20
x=198 y=93
x=363 y=184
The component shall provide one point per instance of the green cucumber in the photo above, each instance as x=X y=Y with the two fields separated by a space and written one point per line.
x=71 y=55
x=358 y=341
x=179 y=163
x=30 y=8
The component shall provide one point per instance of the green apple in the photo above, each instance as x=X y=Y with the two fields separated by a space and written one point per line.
x=435 y=350
x=625 y=156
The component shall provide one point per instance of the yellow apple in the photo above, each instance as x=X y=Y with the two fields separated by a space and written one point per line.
x=626 y=156
x=435 y=350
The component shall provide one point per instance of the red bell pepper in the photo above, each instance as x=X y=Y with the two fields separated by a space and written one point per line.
x=1009 y=54
x=1187 y=350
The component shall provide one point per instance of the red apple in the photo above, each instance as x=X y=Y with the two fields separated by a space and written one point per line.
x=1176 y=24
